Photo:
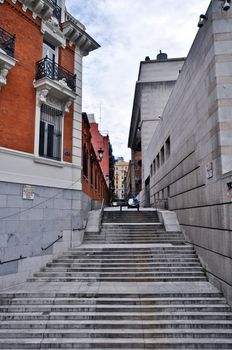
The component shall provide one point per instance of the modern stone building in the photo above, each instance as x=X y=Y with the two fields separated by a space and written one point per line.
x=187 y=166
x=41 y=200
x=155 y=82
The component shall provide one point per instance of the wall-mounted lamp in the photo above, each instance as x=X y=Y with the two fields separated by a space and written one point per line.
x=202 y=20
x=226 y=5
x=100 y=154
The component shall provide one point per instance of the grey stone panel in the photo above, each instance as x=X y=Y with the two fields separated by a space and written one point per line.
x=33 y=224
x=10 y=189
x=3 y=200
x=215 y=250
x=8 y=268
x=212 y=217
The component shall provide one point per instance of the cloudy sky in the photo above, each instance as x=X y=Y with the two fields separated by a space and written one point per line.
x=128 y=30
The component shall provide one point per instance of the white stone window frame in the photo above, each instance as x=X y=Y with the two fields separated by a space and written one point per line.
x=41 y=97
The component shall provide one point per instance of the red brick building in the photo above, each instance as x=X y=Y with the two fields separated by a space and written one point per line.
x=102 y=142
x=42 y=47
x=93 y=179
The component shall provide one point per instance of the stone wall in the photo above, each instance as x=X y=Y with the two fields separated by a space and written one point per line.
x=194 y=179
x=27 y=226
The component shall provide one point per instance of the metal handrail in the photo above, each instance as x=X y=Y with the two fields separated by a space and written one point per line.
x=59 y=237
x=101 y=210
x=50 y=69
x=12 y=260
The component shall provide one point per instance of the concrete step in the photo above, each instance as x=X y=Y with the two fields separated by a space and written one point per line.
x=118 y=267
x=104 y=279
x=109 y=301
x=121 y=270
x=119 y=343
x=180 y=315
x=118 y=324
x=116 y=309
x=146 y=249
x=122 y=274
x=111 y=333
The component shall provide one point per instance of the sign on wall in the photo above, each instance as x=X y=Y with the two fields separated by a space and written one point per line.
x=28 y=192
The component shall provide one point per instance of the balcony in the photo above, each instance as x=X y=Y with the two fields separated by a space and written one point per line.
x=53 y=80
x=7 y=61
x=49 y=69
x=7 y=42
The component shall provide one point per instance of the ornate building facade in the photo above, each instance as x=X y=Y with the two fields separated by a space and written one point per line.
x=41 y=52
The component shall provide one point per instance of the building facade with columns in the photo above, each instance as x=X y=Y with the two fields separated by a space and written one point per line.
x=41 y=51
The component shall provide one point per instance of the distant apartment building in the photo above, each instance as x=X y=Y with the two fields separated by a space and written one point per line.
x=120 y=171
x=41 y=200
x=187 y=165
x=134 y=176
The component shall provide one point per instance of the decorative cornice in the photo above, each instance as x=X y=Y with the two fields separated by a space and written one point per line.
x=41 y=8
x=75 y=33
x=51 y=29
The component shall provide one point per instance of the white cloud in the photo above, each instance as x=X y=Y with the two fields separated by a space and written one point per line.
x=129 y=30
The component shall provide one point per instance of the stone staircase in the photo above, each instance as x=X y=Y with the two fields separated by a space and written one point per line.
x=133 y=286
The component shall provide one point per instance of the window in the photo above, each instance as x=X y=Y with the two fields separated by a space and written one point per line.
x=91 y=168
x=162 y=155
x=154 y=166
x=158 y=161
x=50 y=136
x=168 y=147
x=95 y=178
x=49 y=51
x=85 y=162
x=151 y=172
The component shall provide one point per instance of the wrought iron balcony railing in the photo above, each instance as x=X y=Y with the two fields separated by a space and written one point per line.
x=57 y=9
x=49 y=69
x=7 y=42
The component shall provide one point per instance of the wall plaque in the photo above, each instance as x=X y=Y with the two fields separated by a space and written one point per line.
x=28 y=192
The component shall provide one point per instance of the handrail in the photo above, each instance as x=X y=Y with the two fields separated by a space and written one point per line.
x=12 y=260
x=101 y=210
x=59 y=237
